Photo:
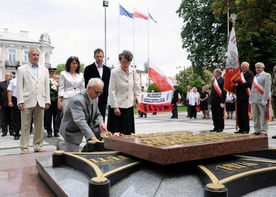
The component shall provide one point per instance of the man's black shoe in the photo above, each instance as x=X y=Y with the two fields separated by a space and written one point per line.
x=219 y=130
x=239 y=131
x=273 y=137
x=57 y=135
x=4 y=134
x=49 y=135
x=245 y=132
x=16 y=137
x=213 y=130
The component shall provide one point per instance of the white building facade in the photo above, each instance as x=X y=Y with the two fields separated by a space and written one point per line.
x=14 y=49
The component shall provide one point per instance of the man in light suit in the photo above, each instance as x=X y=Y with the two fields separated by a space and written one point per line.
x=99 y=70
x=259 y=98
x=33 y=96
x=82 y=118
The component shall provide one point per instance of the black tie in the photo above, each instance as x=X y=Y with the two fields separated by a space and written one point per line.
x=91 y=111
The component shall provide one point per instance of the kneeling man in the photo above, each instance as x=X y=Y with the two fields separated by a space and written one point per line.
x=82 y=118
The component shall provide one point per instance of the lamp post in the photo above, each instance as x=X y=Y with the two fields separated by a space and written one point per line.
x=184 y=73
x=105 y=5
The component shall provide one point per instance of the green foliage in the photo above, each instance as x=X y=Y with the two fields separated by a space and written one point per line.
x=203 y=36
x=190 y=77
x=204 y=32
x=61 y=67
x=151 y=87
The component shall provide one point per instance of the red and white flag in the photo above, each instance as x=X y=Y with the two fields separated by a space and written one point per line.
x=138 y=14
x=232 y=70
x=159 y=78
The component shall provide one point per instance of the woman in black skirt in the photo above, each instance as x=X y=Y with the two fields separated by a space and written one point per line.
x=123 y=91
x=204 y=96
x=230 y=105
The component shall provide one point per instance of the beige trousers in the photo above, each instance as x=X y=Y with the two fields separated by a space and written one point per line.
x=37 y=113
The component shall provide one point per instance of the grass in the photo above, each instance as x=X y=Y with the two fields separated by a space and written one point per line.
x=180 y=109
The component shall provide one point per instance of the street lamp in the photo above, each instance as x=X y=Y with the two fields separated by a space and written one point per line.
x=184 y=73
x=105 y=5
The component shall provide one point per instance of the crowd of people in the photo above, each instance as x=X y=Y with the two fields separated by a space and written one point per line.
x=74 y=104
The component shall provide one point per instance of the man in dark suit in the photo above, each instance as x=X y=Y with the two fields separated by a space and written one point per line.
x=243 y=93
x=174 y=102
x=6 y=111
x=99 y=70
x=217 y=99
x=82 y=118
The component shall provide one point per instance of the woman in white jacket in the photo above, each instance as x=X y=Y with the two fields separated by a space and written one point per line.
x=71 y=82
x=194 y=101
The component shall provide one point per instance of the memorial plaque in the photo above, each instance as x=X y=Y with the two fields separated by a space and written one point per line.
x=176 y=147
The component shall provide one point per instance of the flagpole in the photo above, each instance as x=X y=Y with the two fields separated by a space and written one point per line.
x=233 y=17
x=118 y=36
x=148 y=50
x=133 y=41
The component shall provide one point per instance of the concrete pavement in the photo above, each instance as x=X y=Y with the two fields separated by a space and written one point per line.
x=152 y=124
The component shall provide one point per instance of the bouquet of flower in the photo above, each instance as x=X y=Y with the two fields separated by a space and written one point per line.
x=53 y=89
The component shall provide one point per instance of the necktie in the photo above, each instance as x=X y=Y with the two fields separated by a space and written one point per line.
x=91 y=111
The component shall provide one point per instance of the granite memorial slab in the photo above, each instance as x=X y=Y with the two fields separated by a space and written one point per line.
x=175 y=147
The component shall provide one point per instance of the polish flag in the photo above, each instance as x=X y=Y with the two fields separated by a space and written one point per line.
x=159 y=78
x=138 y=14
x=232 y=71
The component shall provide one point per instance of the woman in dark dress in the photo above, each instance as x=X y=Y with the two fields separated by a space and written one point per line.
x=204 y=96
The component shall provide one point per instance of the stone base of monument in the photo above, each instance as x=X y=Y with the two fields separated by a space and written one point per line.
x=112 y=173
x=174 y=147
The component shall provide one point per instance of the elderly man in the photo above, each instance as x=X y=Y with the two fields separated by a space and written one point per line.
x=260 y=93
x=243 y=93
x=82 y=118
x=33 y=96
x=217 y=99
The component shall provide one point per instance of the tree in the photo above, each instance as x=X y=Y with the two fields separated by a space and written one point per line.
x=151 y=87
x=203 y=36
x=189 y=76
x=61 y=67
x=204 y=32
x=255 y=29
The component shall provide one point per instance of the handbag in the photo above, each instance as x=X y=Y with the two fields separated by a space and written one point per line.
x=198 y=108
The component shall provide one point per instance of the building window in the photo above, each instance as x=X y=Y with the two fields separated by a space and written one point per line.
x=12 y=55
x=25 y=56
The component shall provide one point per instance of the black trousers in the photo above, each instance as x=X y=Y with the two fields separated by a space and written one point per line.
x=50 y=116
x=217 y=116
x=16 y=114
x=174 y=110
x=242 y=112
x=7 y=120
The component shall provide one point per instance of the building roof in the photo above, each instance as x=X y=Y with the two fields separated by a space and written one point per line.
x=16 y=37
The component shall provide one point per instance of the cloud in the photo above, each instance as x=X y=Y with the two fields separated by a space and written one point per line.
x=77 y=28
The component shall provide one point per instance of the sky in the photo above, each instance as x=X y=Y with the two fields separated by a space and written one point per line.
x=77 y=28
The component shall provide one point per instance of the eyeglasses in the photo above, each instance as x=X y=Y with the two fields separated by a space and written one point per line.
x=97 y=92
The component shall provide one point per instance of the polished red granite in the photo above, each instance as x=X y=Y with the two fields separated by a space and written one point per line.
x=18 y=176
x=155 y=148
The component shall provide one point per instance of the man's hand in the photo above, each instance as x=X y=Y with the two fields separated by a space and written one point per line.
x=21 y=106
x=222 y=105
x=264 y=102
x=47 y=105
x=10 y=104
x=95 y=139
x=103 y=128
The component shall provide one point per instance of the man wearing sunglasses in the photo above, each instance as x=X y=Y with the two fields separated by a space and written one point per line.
x=82 y=118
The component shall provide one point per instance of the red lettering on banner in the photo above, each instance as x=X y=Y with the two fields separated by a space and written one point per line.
x=149 y=108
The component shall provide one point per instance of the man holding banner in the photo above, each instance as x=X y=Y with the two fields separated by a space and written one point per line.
x=243 y=93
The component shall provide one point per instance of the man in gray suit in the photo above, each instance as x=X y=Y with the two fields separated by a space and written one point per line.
x=259 y=97
x=82 y=118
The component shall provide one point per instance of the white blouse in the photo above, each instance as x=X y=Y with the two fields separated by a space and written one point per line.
x=70 y=85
